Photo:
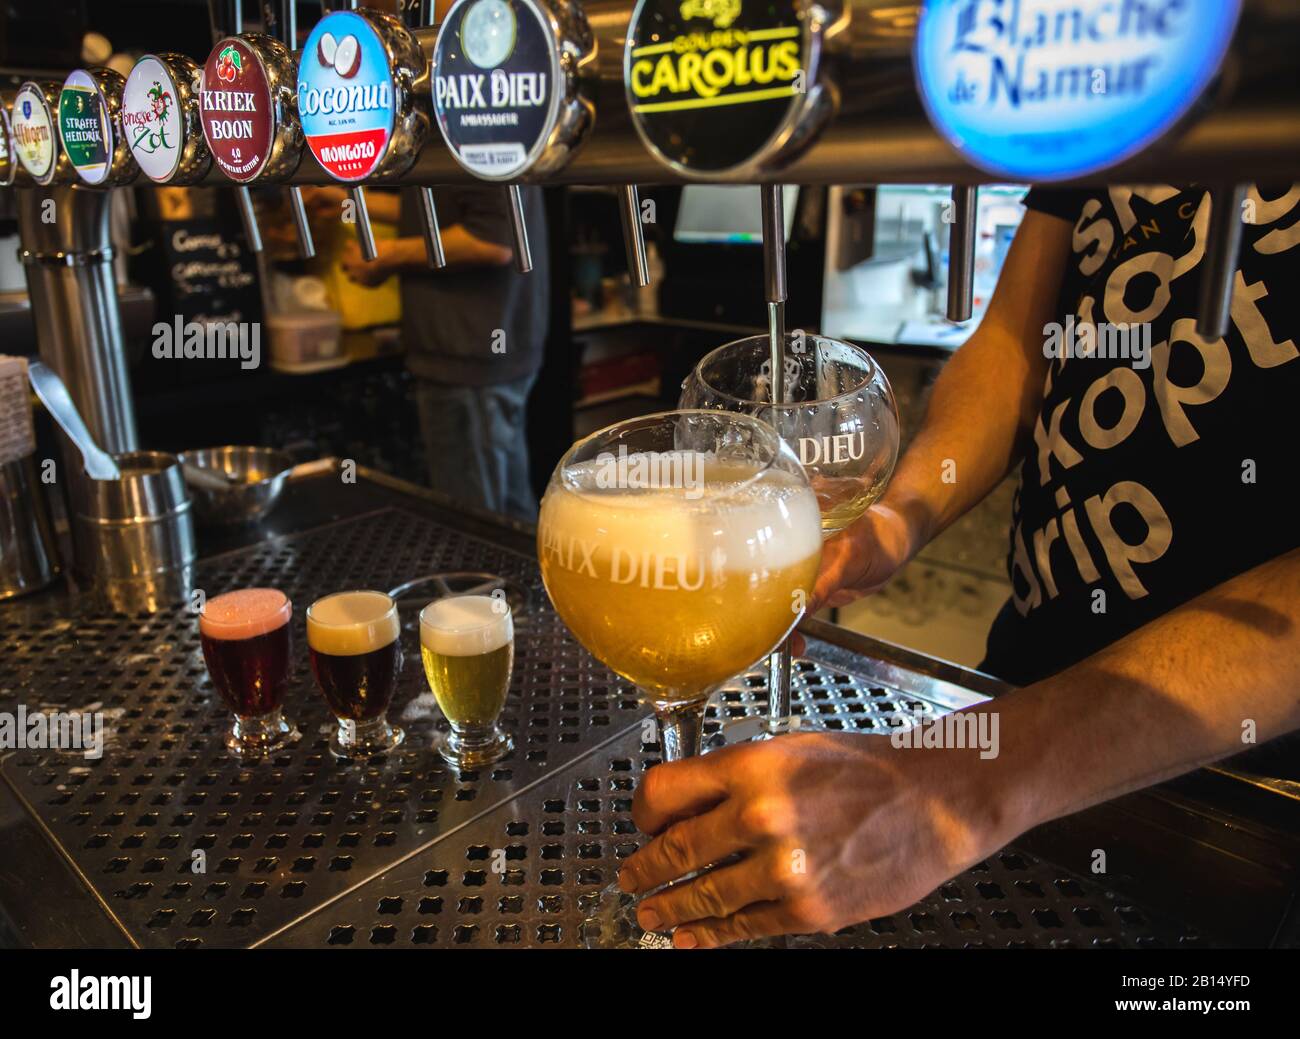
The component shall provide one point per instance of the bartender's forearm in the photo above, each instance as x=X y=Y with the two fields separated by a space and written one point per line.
x=1177 y=693
x=984 y=402
x=408 y=255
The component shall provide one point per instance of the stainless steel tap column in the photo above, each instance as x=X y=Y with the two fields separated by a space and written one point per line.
x=67 y=256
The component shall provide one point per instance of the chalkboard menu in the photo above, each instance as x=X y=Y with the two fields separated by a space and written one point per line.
x=202 y=273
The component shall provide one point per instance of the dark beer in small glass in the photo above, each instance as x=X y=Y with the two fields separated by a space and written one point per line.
x=356 y=654
x=245 y=637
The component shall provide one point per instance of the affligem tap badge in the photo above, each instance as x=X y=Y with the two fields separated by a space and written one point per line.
x=346 y=97
x=495 y=69
x=1043 y=90
x=33 y=133
x=84 y=127
x=151 y=119
x=235 y=109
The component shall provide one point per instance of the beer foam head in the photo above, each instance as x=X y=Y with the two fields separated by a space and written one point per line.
x=347 y=624
x=742 y=518
x=466 y=625
x=245 y=613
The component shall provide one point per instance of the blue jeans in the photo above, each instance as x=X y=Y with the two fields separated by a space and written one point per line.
x=476 y=444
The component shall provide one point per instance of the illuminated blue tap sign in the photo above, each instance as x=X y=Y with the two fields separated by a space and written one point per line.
x=1042 y=90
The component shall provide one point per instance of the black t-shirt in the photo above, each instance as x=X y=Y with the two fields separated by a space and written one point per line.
x=1154 y=476
x=476 y=326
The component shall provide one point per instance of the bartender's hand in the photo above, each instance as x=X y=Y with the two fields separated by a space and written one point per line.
x=324 y=202
x=835 y=828
x=860 y=560
x=863 y=557
x=369 y=272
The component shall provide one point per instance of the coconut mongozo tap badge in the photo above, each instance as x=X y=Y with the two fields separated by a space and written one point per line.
x=346 y=96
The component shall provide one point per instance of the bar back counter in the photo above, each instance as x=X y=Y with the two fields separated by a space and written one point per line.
x=169 y=841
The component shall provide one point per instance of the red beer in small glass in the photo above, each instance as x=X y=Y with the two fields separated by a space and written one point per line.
x=247 y=646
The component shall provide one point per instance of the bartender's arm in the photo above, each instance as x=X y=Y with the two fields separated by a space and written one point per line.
x=403 y=255
x=836 y=828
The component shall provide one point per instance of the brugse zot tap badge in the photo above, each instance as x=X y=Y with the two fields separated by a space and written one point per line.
x=716 y=86
x=85 y=128
x=496 y=71
x=151 y=119
x=33 y=133
x=346 y=96
x=236 y=110
x=1045 y=90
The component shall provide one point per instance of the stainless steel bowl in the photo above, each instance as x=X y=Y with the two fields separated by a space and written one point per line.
x=253 y=479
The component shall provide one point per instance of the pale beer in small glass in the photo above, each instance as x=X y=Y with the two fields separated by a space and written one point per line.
x=467 y=644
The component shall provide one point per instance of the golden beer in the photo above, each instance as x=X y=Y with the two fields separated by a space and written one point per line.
x=844 y=499
x=678 y=589
x=467 y=646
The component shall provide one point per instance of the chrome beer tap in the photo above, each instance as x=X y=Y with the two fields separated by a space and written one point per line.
x=961 y=252
x=420 y=13
x=281 y=21
x=364 y=108
x=780 y=663
x=360 y=211
x=1227 y=202
x=533 y=60
x=227 y=16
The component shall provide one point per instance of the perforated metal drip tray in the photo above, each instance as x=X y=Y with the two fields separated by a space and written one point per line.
x=183 y=847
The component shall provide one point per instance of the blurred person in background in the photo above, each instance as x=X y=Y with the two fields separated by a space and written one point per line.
x=474 y=332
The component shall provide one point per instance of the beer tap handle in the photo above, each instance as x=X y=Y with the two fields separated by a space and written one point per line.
x=774 y=282
x=226 y=17
x=523 y=254
x=421 y=13
x=1221 y=254
x=281 y=20
x=774 y=286
x=961 y=253
x=306 y=246
x=638 y=268
x=249 y=217
x=365 y=233
x=432 y=234
x=775 y=291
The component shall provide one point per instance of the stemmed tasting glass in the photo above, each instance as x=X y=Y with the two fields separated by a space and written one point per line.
x=679 y=548
x=248 y=649
x=356 y=655
x=839 y=418
x=467 y=644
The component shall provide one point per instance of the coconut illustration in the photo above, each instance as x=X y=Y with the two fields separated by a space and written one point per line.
x=326 y=49
x=347 y=58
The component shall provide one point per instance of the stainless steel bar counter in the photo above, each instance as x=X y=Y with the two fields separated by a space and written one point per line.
x=166 y=841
